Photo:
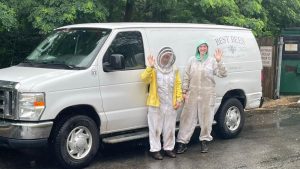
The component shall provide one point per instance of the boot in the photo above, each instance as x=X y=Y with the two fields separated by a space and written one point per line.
x=181 y=148
x=204 y=147
x=156 y=155
x=170 y=153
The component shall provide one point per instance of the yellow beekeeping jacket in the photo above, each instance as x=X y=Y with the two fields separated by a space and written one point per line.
x=149 y=76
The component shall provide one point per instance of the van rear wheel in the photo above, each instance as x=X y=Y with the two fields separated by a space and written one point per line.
x=230 y=119
x=76 y=141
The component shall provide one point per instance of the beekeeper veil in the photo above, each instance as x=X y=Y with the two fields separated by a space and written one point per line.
x=165 y=60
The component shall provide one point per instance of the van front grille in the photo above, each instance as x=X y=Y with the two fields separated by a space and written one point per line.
x=8 y=98
x=5 y=103
x=2 y=104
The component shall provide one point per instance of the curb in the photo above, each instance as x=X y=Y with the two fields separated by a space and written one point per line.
x=283 y=102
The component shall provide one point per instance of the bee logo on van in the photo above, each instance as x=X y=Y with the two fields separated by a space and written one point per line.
x=232 y=49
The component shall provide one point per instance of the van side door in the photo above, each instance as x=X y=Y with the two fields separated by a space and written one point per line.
x=122 y=91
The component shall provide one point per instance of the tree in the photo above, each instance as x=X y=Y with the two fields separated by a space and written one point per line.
x=281 y=14
x=8 y=19
x=243 y=13
x=24 y=23
x=128 y=10
x=249 y=14
x=50 y=14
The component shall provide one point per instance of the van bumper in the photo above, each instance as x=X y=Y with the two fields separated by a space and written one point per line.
x=24 y=134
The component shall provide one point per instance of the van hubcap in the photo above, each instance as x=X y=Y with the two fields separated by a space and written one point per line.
x=233 y=118
x=79 y=142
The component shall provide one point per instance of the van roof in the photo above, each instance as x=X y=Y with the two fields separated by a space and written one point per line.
x=120 y=25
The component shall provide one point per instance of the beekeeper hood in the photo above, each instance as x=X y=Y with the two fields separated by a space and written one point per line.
x=165 y=60
x=202 y=41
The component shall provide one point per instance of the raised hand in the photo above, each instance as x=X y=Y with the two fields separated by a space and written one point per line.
x=218 y=55
x=178 y=104
x=151 y=60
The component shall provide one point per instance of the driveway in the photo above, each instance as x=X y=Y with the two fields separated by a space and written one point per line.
x=270 y=139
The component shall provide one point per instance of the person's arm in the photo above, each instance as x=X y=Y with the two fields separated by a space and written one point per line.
x=178 y=89
x=219 y=67
x=186 y=78
x=146 y=76
x=178 y=92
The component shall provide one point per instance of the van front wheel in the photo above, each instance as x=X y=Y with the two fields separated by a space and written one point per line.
x=76 y=141
x=230 y=119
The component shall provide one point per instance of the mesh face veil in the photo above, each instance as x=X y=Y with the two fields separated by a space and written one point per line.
x=165 y=60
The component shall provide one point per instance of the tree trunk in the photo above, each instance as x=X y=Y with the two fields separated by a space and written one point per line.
x=128 y=10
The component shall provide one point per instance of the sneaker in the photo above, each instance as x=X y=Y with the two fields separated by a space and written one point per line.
x=170 y=153
x=204 y=147
x=181 y=148
x=156 y=155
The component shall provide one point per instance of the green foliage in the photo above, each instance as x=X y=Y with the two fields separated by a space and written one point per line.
x=281 y=14
x=23 y=23
x=249 y=14
x=264 y=17
x=8 y=19
x=143 y=10
x=49 y=14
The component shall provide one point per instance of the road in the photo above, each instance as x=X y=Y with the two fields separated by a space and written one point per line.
x=269 y=140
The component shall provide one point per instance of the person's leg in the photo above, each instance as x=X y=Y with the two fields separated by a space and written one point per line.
x=188 y=121
x=169 y=132
x=206 y=117
x=205 y=121
x=155 y=123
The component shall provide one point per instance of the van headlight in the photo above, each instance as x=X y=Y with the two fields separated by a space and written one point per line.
x=31 y=106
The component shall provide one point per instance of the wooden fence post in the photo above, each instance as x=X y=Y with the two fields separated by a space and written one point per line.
x=269 y=73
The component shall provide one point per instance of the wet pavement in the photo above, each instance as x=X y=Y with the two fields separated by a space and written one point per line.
x=270 y=139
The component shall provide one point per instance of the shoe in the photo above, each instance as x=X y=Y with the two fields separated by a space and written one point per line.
x=181 y=148
x=204 y=147
x=156 y=155
x=170 y=153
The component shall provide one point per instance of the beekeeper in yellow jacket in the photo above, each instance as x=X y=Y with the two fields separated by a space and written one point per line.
x=200 y=95
x=165 y=96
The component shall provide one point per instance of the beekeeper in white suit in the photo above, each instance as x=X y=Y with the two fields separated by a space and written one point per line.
x=165 y=96
x=199 y=95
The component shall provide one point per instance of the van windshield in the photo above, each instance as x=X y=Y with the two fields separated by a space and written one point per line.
x=68 y=49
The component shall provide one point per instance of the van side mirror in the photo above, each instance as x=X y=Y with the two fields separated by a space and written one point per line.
x=116 y=62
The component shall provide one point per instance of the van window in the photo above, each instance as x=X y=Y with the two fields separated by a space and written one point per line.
x=68 y=49
x=126 y=52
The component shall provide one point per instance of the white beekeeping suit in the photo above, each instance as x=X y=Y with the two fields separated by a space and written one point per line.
x=161 y=113
x=199 y=87
x=163 y=118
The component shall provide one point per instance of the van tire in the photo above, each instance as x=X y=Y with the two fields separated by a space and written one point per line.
x=230 y=119
x=85 y=138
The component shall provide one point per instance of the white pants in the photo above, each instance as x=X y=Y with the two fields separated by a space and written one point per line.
x=197 y=108
x=161 y=122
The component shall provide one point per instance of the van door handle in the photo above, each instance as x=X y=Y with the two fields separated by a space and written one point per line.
x=94 y=72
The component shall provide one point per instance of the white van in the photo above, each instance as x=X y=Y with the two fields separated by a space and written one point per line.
x=82 y=85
